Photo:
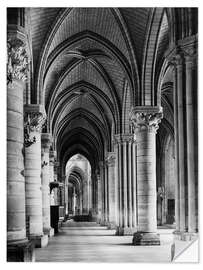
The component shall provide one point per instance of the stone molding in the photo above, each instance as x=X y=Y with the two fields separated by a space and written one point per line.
x=146 y=118
x=185 y=50
x=17 y=60
x=110 y=159
x=123 y=138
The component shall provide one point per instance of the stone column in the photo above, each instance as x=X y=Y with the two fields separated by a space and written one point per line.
x=34 y=119
x=94 y=195
x=177 y=184
x=106 y=205
x=145 y=121
x=18 y=246
x=99 y=199
x=125 y=185
x=89 y=193
x=134 y=183
x=66 y=196
x=73 y=201
x=102 y=191
x=46 y=142
x=56 y=190
x=85 y=207
x=111 y=196
x=191 y=87
x=52 y=155
x=81 y=206
x=181 y=142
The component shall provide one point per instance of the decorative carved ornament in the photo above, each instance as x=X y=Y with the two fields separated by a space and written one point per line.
x=17 y=61
x=52 y=157
x=186 y=51
x=124 y=138
x=44 y=163
x=46 y=140
x=110 y=159
x=146 y=118
x=33 y=121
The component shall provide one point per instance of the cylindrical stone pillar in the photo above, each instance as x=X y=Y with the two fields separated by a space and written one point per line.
x=66 y=197
x=15 y=163
x=145 y=121
x=134 y=184
x=102 y=191
x=52 y=155
x=85 y=197
x=17 y=73
x=181 y=141
x=18 y=246
x=74 y=201
x=112 y=209
x=80 y=201
x=129 y=185
x=35 y=117
x=106 y=206
x=177 y=185
x=191 y=155
x=99 y=199
x=46 y=142
x=125 y=179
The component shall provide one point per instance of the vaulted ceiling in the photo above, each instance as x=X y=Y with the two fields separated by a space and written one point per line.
x=90 y=65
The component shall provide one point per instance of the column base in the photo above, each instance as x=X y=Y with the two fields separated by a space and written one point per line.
x=146 y=239
x=40 y=240
x=98 y=220
x=111 y=226
x=21 y=251
x=104 y=223
x=48 y=231
x=125 y=231
x=185 y=236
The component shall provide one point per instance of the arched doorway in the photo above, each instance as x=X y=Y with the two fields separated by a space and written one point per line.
x=78 y=186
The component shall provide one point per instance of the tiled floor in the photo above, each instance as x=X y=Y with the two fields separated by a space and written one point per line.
x=88 y=242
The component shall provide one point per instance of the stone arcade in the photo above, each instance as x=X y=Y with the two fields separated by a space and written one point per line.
x=101 y=122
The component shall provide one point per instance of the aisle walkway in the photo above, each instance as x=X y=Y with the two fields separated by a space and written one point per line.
x=89 y=242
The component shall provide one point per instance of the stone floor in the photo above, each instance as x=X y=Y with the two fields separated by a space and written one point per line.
x=89 y=242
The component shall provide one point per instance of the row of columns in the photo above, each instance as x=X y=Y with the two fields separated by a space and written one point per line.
x=128 y=180
x=128 y=203
x=19 y=248
x=186 y=140
x=125 y=171
x=28 y=177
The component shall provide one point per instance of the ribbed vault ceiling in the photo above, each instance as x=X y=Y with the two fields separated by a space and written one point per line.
x=88 y=64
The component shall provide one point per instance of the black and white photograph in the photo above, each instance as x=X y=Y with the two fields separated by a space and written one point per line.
x=102 y=133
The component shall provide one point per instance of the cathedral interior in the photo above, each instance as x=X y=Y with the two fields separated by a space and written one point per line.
x=102 y=129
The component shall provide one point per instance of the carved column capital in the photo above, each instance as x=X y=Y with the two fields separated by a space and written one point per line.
x=110 y=159
x=33 y=120
x=146 y=118
x=123 y=138
x=185 y=51
x=46 y=140
x=17 y=60
x=35 y=117
x=52 y=157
